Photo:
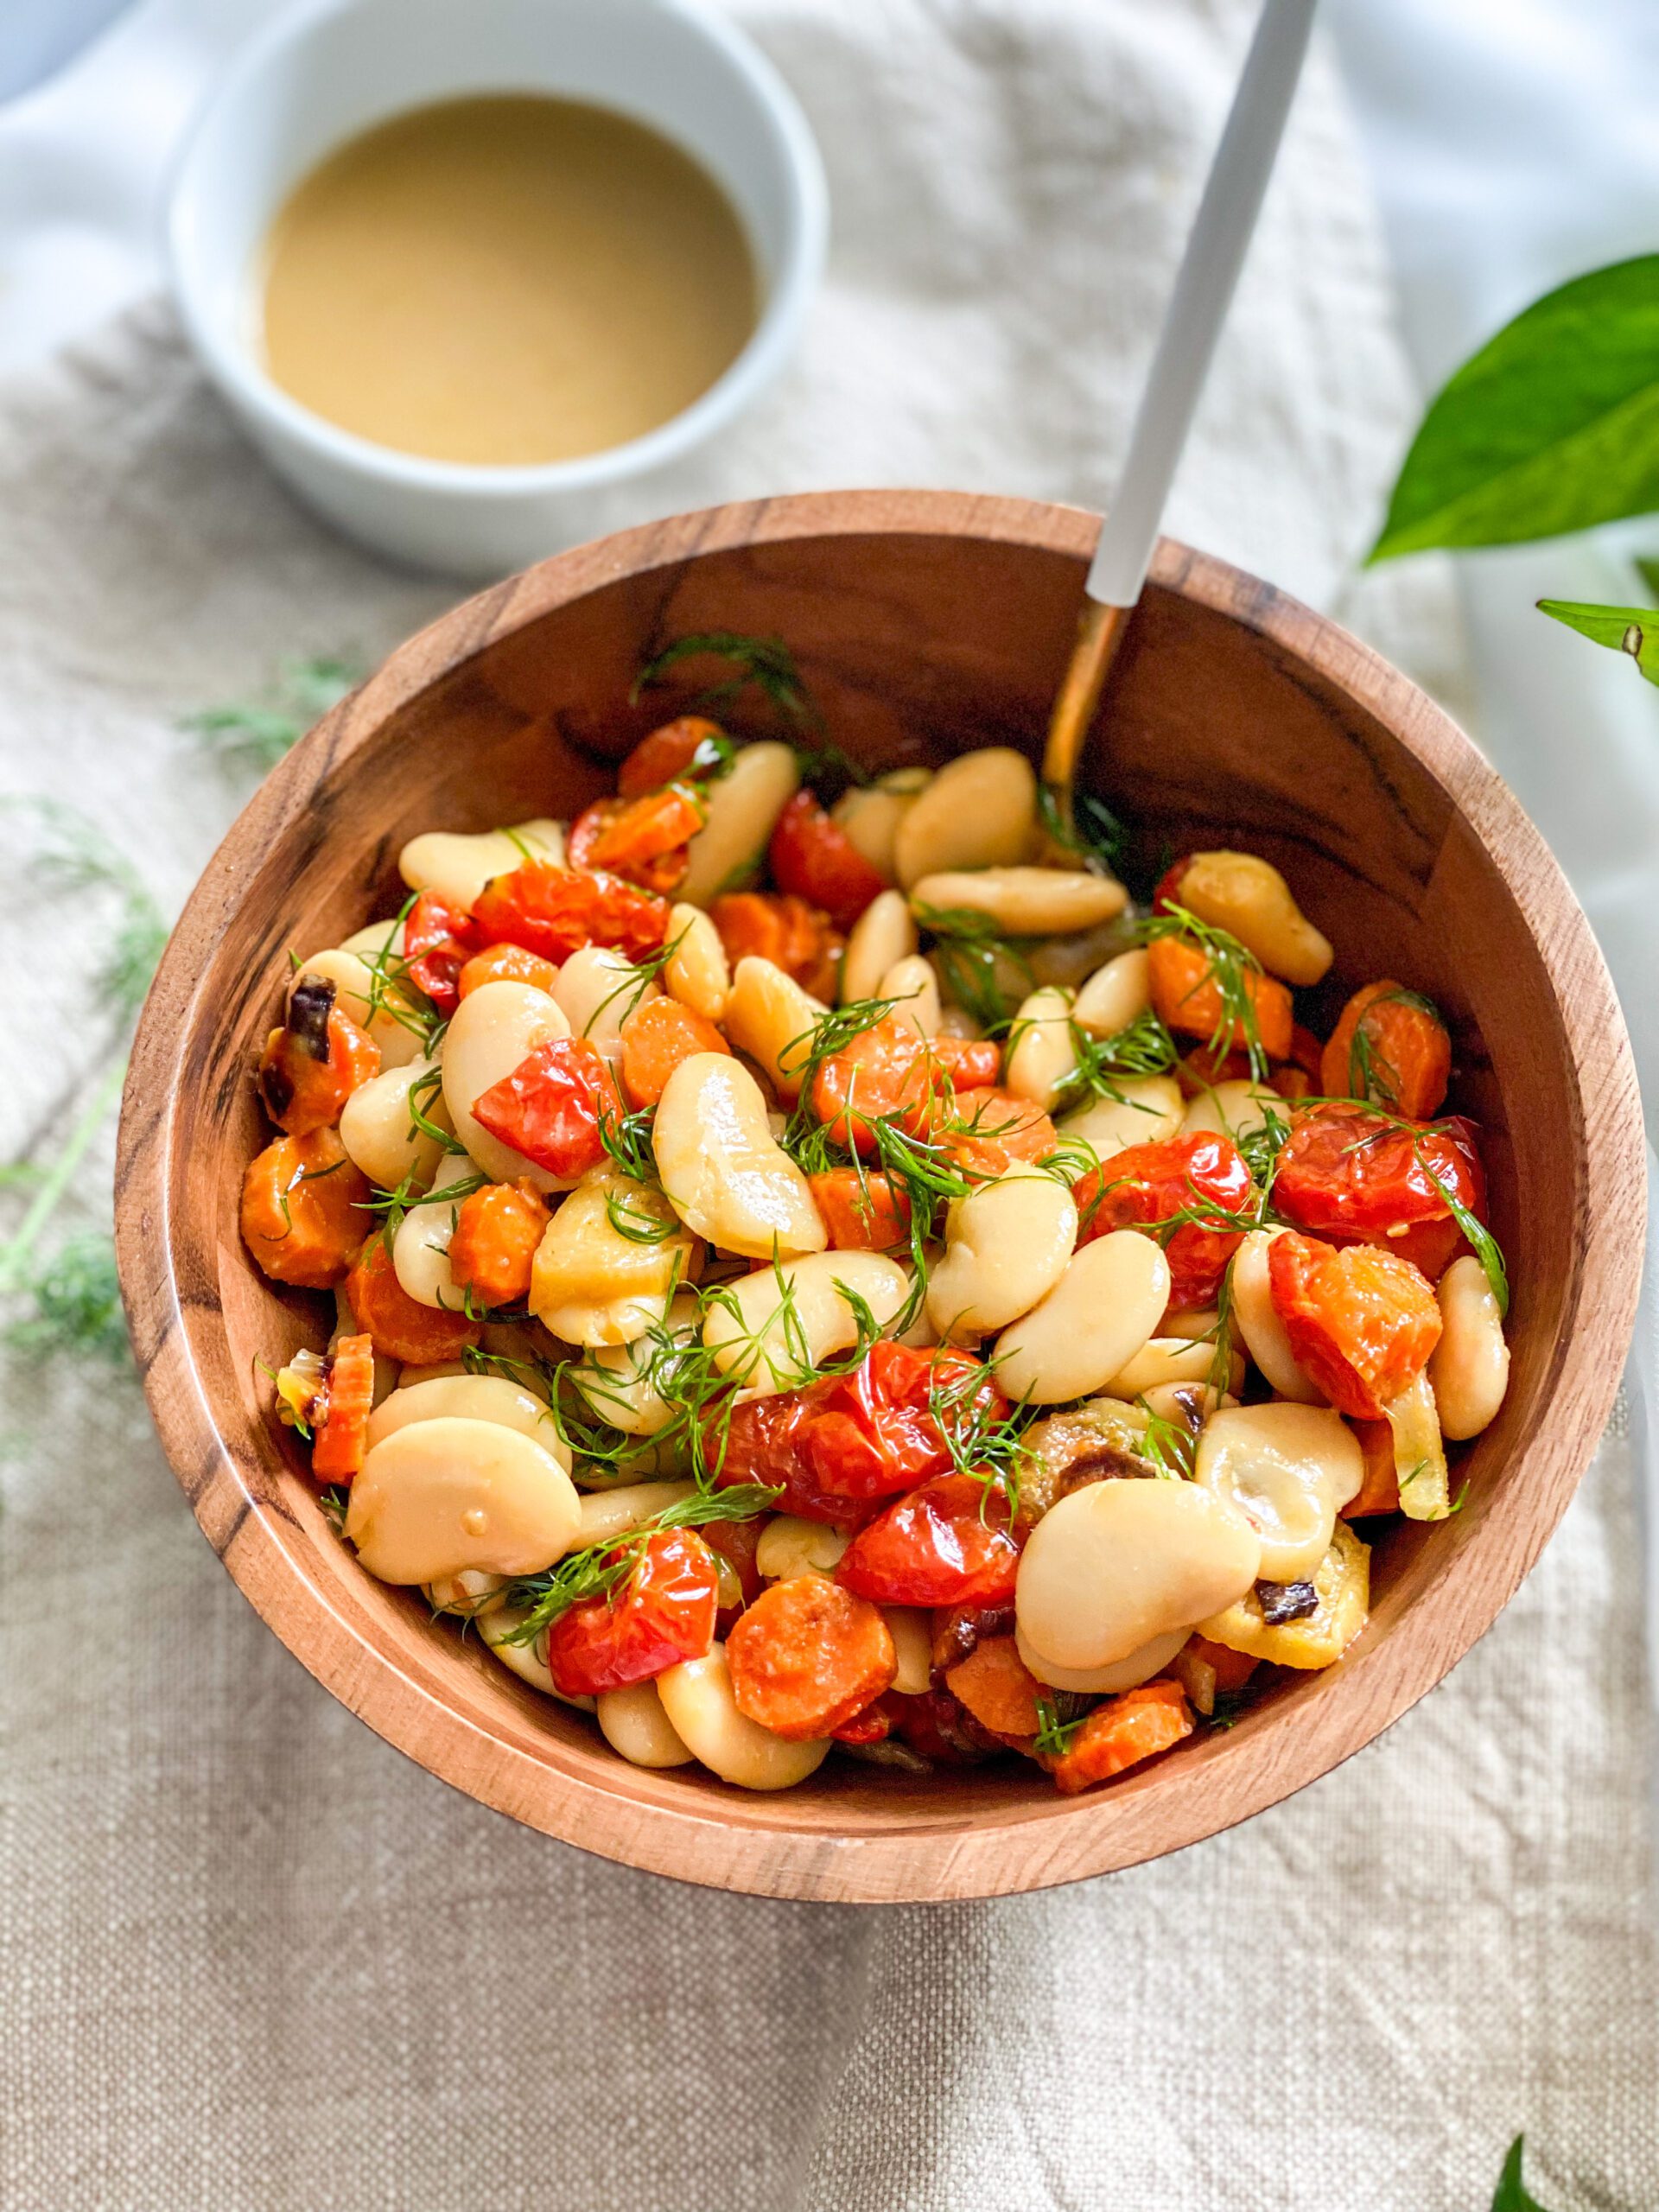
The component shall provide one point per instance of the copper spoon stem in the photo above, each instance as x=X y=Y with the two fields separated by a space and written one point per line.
x=1100 y=632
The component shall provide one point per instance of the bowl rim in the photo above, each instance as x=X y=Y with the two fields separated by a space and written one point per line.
x=704 y=1838
x=786 y=294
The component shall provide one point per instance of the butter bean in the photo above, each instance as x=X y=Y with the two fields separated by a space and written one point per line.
x=1257 y=1319
x=771 y=1328
x=1171 y=1359
x=609 y=1513
x=1139 y=1667
x=1006 y=1245
x=883 y=935
x=456 y=868
x=1114 y=995
x=697 y=972
x=1288 y=1469
x=771 y=1019
x=492 y=1031
x=1470 y=1366
x=724 y=1173
x=913 y=982
x=1041 y=1056
x=697 y=1698
x=420 y=1245
x=597 y=990
x=379 y=1135
x=1148 y=1109
x=438 y=1496
x=1094 y=1321
x=1246 y=895
x=622 y=1383
x=1023 y=901
x=979 y=812
x=744 y=805
x=1235 y=1109
x=911 y=1631
x=470 y=1397
x=868 y=816
x=589 y=1283
x=527 y=1661
x=634 y=1725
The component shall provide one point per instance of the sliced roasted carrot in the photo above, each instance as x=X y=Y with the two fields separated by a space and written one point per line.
x=1390 y=1046
x=304 y=1210
x=313 y=1064
x=342 y=1436
x=1380 y=1492
x=776 y=926
x=403 y=1329
x=997 y=1688
x=1232 y=1668
x=1363 y=1322
x=807 y=1656
x=497 y=1230
x=645 y=839
x=688 y=746
x=863 y=1213
x=507 y=963
x=886 y=1072
x=1120 y=1733
x=986 y=1131
x=1188 y=999
x=656 y=1037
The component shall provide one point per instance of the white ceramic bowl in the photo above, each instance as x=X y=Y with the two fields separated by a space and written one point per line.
x=325 y=70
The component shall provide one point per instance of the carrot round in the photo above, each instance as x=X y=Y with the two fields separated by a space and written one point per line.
x=341 y=1435
x=986 y=1131
x=807 y=1656
x=862 y=1213
x=779 y=927
x=402 y=1328
x=506 y=963
x=1390 y=1045
x=1120 y=1734
x=656 y=1037
x=1188 y=999
x=497 y=1232
x=303 y=1210
x=997 y=1688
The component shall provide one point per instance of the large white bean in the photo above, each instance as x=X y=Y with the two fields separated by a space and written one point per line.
x=883 y=935
x=1092 y=1323
x=696 y=971
x=632 y=1722
x=470 y=1397
x=771 y=1328
x=1041 y=1056
x=1244 y=895
x=772 y=1019
x=491 y=1031
x=377 y=1133
x=597 y=990
x=744 y=805
x=1470 y=1366
x=1117 y=1563
x=609 y=1513
x=373 y=1006
x=1114 y=995
x=1148 y=1108
x=622 y=1383
x=1235 y=1109
x=1257 y=1320
x=868 y=815
x=527 y=1661
x=1288 y=1469
x=725 y=1174
x=1070 y=960
x=697 y=1698
x=790 y=1546
x=913 y=984
x=1006 y=1244
x=911 y=1631
x=438 y=1496
x=1128 y=1674
x=420 y=1244
x=1161 y=1360
x=590 y=1283
x=979 y=811
x=466 y=1596
x=456 y=867
x=1023 y=901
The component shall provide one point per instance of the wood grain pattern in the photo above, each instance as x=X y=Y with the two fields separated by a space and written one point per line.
x=927 y=623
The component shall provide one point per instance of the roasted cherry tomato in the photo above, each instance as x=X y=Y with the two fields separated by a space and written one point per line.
x=808 y=1656
x=947 y=1543
x=663 y=1613
x=736 y=1542
x=1362 y=1322
x=435 y=942
x=809 y=856
x=1189 y=1000
x=1390 y=1048
x=647 y=840
x=938 y=1727
x=872 y=1726
x=882 y=1428
x=690 y=746
x=1150 y=1186
x=759 y=1441
x=772 y=926
x=862 y=1212
x=550 y=1108
x=555 y=911
x=1347 y=1172
x=313 y=1064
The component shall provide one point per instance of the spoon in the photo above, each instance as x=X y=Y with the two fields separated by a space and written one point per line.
x=1204 y=289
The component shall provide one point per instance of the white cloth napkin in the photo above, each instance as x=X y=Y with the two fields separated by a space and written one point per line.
x=252 y=1960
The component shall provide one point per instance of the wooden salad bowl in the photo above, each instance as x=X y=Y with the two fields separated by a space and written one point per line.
x=925 y=623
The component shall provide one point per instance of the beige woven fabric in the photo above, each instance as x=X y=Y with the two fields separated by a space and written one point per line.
x=251 y=1960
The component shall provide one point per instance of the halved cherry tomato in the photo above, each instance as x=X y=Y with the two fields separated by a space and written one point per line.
x=496 y=1233
x=775 y=926
x=809 y=856
x=555 y=911
x=882 y=1428
x=313 y=1064
x=1361 y=1321
x=862 y=1212
x=656 y=1037
x=303 y=1210
x=1391 y=1047
x=646 y=840
x=1188 y=999
x=664 y=1613
x=872 y=1726
x=1345 y=1172
x=435 y=940
x=758 y=1441
x=404 y=1329
x=691 y=745
x=340 y=1436
x=1167 y=896
x=507 y=963
x=946 y=1544
x=1147 y=1186
x=1120 y=1733
x=986 y=1131
x=808 y=1656
x=550 y=1108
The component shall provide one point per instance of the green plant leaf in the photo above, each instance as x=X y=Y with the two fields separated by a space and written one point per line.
x=1633 y=630
x=1647 y=567
x=1513 y=2195
x=1552 y=427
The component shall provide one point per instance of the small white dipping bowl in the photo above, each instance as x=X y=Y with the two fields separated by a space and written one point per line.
x=326 y=70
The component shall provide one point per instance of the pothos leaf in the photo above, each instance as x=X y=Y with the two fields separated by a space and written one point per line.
x=1632 y=630
x=1552 y=426
x=1512 y=2194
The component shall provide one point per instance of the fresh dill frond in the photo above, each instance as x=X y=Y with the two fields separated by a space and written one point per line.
x=1101 y=1065
x=1232 y=967
x=1168 y=1445
x=1089 y=828
x=75 y=855
x=263 y=729
x=1057 y=1724
x=77 y=1303
x=985 y=972
x=765 y=663
x=626 y=1138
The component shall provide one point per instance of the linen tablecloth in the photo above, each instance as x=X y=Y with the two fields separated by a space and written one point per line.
x=253 y=1960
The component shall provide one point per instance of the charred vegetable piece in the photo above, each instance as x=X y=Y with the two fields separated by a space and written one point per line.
x=555 y=911
x=1182 y=1192
x=550 y=1108
x=664 y=1612
x=304 y=1210
x=311 y=1065
x=1343 y=1582
x=436 y=947
x=809 y=856
x=807 y=1657
x=1286 y=1601
x=1361 y=1322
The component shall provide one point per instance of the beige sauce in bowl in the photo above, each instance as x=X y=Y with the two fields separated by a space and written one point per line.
x=505 y=281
